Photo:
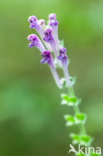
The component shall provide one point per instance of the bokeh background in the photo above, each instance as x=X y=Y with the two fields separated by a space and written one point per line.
x=31 y=116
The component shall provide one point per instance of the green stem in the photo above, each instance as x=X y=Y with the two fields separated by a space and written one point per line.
x=76 y=110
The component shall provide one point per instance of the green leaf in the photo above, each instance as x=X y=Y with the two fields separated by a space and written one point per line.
x=85 y=139
x=80 y=118
x=75 y=137
x=71 y=101
x=70 y=120
x=65 y=97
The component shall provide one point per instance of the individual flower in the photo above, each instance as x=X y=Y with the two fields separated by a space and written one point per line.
x=35 y=41
x=54 y=25
x=47 y=58
x=63 y=57
x=35 y=24
x=50 y=39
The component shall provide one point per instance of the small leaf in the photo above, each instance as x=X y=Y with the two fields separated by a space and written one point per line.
x=72 y=101
x=75 y=137
x=70 y=120
x=80 y=118
x=65 y=99
x=85 y=139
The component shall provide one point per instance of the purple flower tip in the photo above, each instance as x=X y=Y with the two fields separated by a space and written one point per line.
x=33 y=21
x=46 y=57
x=62 y=50
x=52 y=16
x=62 y=56
x=32 y=37
x=47 y=32
x=33 y=40
x=48 y=35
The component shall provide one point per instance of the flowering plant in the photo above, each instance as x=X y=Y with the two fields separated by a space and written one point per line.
x=50 y=44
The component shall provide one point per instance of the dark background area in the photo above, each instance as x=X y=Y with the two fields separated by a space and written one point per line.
x=31 y=116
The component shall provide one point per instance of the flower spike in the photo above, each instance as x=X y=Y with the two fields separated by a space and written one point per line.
x=35 y=41
x=54 y=24
x=63 y=57
x=47 y=58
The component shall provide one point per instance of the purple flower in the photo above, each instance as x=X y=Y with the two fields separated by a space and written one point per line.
x=52 y=16
x=35 y=24
x=47 y=58
x=49 y=38
x=54 y=24
x=63 y=57
x=33 y=21
x=48 y=35
x=35 y=41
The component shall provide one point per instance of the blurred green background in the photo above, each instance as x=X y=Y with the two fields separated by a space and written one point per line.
x=31 y=117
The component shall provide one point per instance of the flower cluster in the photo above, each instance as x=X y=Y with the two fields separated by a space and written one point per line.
x=49 y=43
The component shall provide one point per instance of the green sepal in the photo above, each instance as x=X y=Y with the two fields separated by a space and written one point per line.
x=75 y=137
x=70 y=120
x=61 y=43
x=80 y=118
x=72 y=80
x=63 y=82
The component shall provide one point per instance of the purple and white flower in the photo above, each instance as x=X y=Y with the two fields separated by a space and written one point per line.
x=47 y=58
x=50 y=39
x=35 y=24
x=35 y=41
x=54 y=25
x=63 y=57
